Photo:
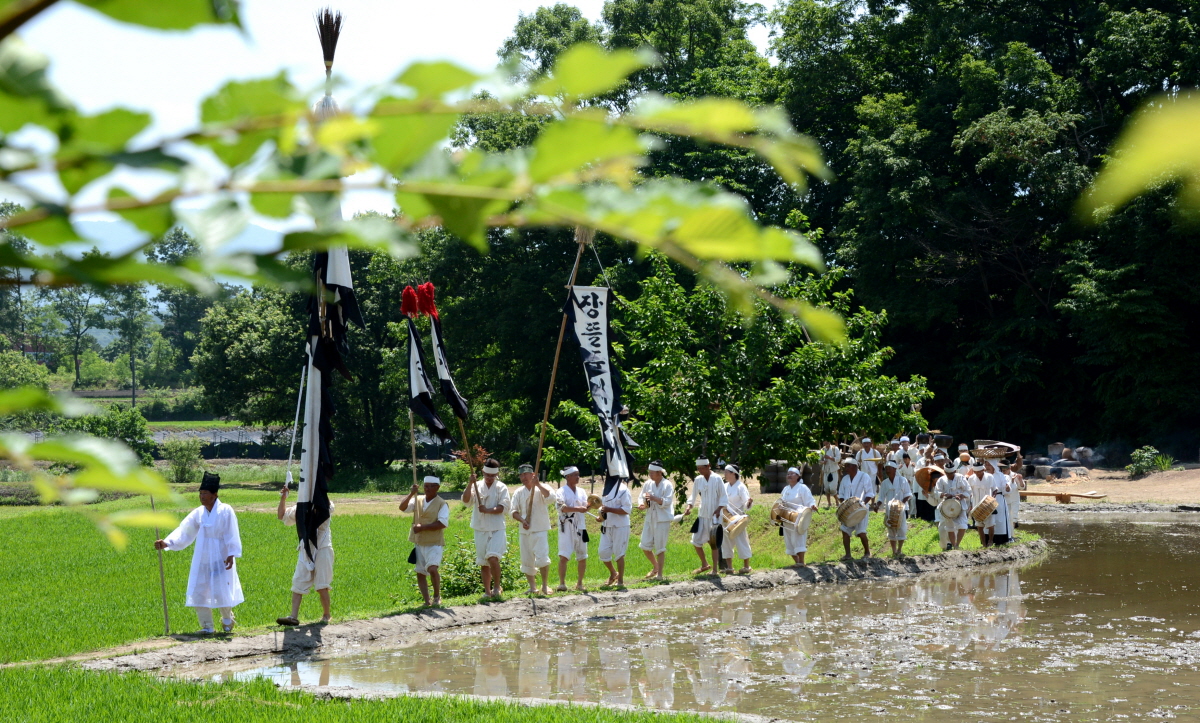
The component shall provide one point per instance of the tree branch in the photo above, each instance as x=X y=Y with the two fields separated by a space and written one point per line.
x=20 y=12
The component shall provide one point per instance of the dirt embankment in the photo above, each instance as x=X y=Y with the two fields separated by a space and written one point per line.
x=1180 y=486
x=398 y=629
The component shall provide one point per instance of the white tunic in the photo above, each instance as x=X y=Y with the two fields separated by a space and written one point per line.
x=494 y=496
x=738 y=496
x=618 y=498
x=569 y=498
x=539 y=515
x=798 y=494
x=897 y=489
x=861 y=486
x=708 y=494
x=216 y=536
x=659 y=511
x=951 y=484
x=868 y=462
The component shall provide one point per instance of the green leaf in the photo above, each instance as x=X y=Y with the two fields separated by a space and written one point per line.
x=274 y=205
x=825 y=324
x=372 y=233
x=712 y=116
x=34 y=399
x=103 y=133
x=240 y=101
x=569 y=145
x=77 y=176
x=172 y=15
x=53 y=230
x=155 y=220
x=587 y=70
x=466 y=217
x=1160 y=143
x=26 y=95
x=437 y=78
x=404 y=139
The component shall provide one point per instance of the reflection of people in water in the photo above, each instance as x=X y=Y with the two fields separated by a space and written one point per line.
x=658 y=688
x=614 y=664
x=533 y=672
x=425 y=677
x=709 y=685
x=489 y=676
x=572 y=662
x=322 y=677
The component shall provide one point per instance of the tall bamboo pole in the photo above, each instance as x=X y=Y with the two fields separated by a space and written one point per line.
x=412 y=436
x=162 y=580
x=583 y=237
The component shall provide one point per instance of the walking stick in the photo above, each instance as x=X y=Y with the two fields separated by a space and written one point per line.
x=412 y=436
x=583 y=237
x=162 y=580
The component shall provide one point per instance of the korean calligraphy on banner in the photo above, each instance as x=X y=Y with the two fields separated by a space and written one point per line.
x=588 y=313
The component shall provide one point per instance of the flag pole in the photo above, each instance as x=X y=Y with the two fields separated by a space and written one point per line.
x=412 y=436
x=162 y=580
x=583 y=237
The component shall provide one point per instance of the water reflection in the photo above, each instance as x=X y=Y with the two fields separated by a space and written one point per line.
x=1050 y=642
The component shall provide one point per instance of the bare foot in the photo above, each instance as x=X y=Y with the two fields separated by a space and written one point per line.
x=545 y=591
x=701 y=570
x=580 y=588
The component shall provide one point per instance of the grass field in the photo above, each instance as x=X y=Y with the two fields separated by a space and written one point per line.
x=206 y=424
x=75 y=593
x=51 y=694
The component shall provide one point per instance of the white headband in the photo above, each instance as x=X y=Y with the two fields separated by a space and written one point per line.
x=731 y=468
x=978 y=467
x=655 y=468
x=793 y=470
x=431 y=480
x=491 y=470
x=702 y=462
x=866 y=440
x=904 y=439
x=892 y=464
x=570 y=471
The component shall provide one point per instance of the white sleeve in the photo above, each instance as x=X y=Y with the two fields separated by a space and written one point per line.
x=289 y=516
x=444 y=515
x=694 y=497
x=625 y=502
x=233 y=536
x=186 y=533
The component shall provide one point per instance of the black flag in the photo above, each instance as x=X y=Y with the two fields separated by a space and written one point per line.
x=425 y=302
x=420 y=397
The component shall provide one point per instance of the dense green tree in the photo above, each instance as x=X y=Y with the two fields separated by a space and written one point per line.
x=81 y=311
x=180 y=310
x=128 y=312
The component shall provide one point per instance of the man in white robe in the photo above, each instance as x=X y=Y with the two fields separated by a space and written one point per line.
x=1016 y=483
x=657 y=500
x=431 y=517
x=530 y=508
x=952 y=485
x=831 y=459
x=869 y=460
x=983 y=486
x=615 y=505
x=895 y=488
x=708 y=491
x=796 y=493
x=739 y=501
x=489 y=502
x=310 y=574
x=856 y=483
x=213 y=579
x=572 y=528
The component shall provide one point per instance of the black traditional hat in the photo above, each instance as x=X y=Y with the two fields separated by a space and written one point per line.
x=210 y=483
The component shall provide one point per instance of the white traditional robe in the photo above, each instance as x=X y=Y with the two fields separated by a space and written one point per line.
x=216 y=536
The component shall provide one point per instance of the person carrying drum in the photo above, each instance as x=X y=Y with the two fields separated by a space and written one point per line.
x=856 y=484
x=895 y=489
x=708 y=491
x=981 y=488
x=739 y=504
x=615 y=506
x=572 y=528
x=952 y=486
x=796 y=493
x=658 y=501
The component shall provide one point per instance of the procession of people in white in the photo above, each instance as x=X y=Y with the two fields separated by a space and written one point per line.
x=968 y=492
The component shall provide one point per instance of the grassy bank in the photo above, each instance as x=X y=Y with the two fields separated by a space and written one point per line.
x=50 y=694
x=75 y=593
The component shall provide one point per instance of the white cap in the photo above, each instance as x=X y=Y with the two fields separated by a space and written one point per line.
x=866 y=440
x=431 y=480
x=963 y=447
x=702 y=461
x=892 y=464
x=572 y=469
x=905 y=439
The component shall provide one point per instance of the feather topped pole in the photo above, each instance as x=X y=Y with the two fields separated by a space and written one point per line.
x=329 y=29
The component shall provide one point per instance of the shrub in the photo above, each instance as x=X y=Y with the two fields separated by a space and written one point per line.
x=1148 y=460
x=120 y=422
x=460 y=574
x=183 y=456
x=186 y=406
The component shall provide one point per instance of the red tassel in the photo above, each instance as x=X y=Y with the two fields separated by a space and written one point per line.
x=408 y=303
x=425 y=294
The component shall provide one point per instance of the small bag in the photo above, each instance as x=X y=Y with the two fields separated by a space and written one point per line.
x=695 y=526
x=585 y=537
x=781 y=531
x=412 y=557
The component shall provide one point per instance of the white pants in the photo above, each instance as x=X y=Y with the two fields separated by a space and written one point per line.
x=739 y=543
x=614 y=541
x=703 y=534
x=428 y=556
x=489 y=543
x=318 y=578
x=570 y=542
x=793 y=542
x=901 y=530
x=535 y=551
x=859 y=529
x=206 y=617
x=654 y=536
